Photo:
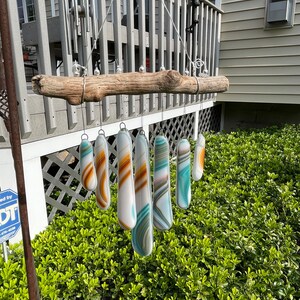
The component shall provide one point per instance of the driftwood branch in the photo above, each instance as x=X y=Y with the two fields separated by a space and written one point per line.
x=94 y=88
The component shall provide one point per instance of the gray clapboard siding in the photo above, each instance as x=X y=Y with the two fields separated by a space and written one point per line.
x=268 y=80
x=262 y=65
x=260 y=52
x=258 y=61
x=241 y=5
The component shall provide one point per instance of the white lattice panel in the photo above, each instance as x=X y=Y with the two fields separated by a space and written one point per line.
x=62 y=177
x=61 y=169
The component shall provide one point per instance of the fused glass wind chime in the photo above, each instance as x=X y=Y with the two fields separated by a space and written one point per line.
x=162 y=206
x=199 y=154
x=126 y=206
x=94 y=168
x=102 y=171
x=142 y=233
x=126 y=194
x=138 y=207
x=102 y=164
x=183 y=172
x=141 y=204
x=86 y=155
x=134 y=192
x=94 y=171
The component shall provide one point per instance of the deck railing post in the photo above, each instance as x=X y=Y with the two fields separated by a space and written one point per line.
x=44 y=59
x=67 y=55
x=19 y=70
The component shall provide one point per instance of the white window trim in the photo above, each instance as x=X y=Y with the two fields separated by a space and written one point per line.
x=53 y=8
x=24 y=6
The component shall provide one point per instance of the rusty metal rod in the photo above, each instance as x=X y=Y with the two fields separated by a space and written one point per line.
x=15 y=140
x=2 y=75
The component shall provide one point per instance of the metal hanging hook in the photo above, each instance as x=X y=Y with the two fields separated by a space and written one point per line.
x=101 y=132
x=122 y=126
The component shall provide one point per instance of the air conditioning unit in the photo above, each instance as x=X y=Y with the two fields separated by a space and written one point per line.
x=279 y=11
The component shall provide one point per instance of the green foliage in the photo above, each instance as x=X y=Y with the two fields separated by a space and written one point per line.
x=238 y=240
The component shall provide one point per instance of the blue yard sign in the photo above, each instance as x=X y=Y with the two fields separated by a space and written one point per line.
x=9 y=215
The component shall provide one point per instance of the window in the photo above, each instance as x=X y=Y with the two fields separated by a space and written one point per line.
x=30 y=10
x=217 y=3
x=26 y=11
x=21 y=12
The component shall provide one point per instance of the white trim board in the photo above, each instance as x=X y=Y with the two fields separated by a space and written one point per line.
x=51 y=145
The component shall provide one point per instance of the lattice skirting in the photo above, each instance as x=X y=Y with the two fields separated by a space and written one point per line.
x=61 y=169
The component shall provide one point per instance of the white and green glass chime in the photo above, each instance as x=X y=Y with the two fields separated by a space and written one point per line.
x=139 y=207
x=142 y=233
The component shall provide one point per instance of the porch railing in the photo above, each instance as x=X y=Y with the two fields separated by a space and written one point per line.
x=151 y=34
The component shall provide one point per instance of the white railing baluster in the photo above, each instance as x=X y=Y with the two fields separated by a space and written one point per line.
x=142 y=47
x=44 y=60
x=183 y=45
x=169 y=40
x=189 y=47
x=103 y=54
x=214 y=41
x=176 y=43
x=19 y=70
x=161 y=46
x=118 y=51
x=210 y=39
x=67 y=56
x=152 y=48
x=130 y=51
x=195 y=44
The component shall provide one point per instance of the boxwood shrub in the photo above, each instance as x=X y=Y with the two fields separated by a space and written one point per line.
x=238 y=240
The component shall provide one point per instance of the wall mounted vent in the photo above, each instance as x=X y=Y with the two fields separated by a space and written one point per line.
x=279 y=13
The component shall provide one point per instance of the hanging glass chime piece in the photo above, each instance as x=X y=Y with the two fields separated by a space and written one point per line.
x=199 y=156
x=162 y=207
x=183 y=174
x=87 y=168
x=126 y=194
x=142 y=233
x=102 y=170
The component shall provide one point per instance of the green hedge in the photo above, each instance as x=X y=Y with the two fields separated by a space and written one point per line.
x=238 y=239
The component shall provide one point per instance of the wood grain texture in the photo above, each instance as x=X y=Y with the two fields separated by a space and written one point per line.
x=97 y=87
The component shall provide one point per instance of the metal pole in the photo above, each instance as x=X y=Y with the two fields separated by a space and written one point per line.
x=17 y=150
x=2 y=76
x=5 y=254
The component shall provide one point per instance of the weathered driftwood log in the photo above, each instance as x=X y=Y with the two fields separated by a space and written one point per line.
x=93 y=88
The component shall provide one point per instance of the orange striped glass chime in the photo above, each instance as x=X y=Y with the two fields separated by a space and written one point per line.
x=138 y=207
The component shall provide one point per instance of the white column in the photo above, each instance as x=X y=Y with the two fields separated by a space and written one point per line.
x=36 y=203
x=8 y=177
x=35 y=195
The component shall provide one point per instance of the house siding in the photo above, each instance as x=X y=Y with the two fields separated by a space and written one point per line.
x=262 y=65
